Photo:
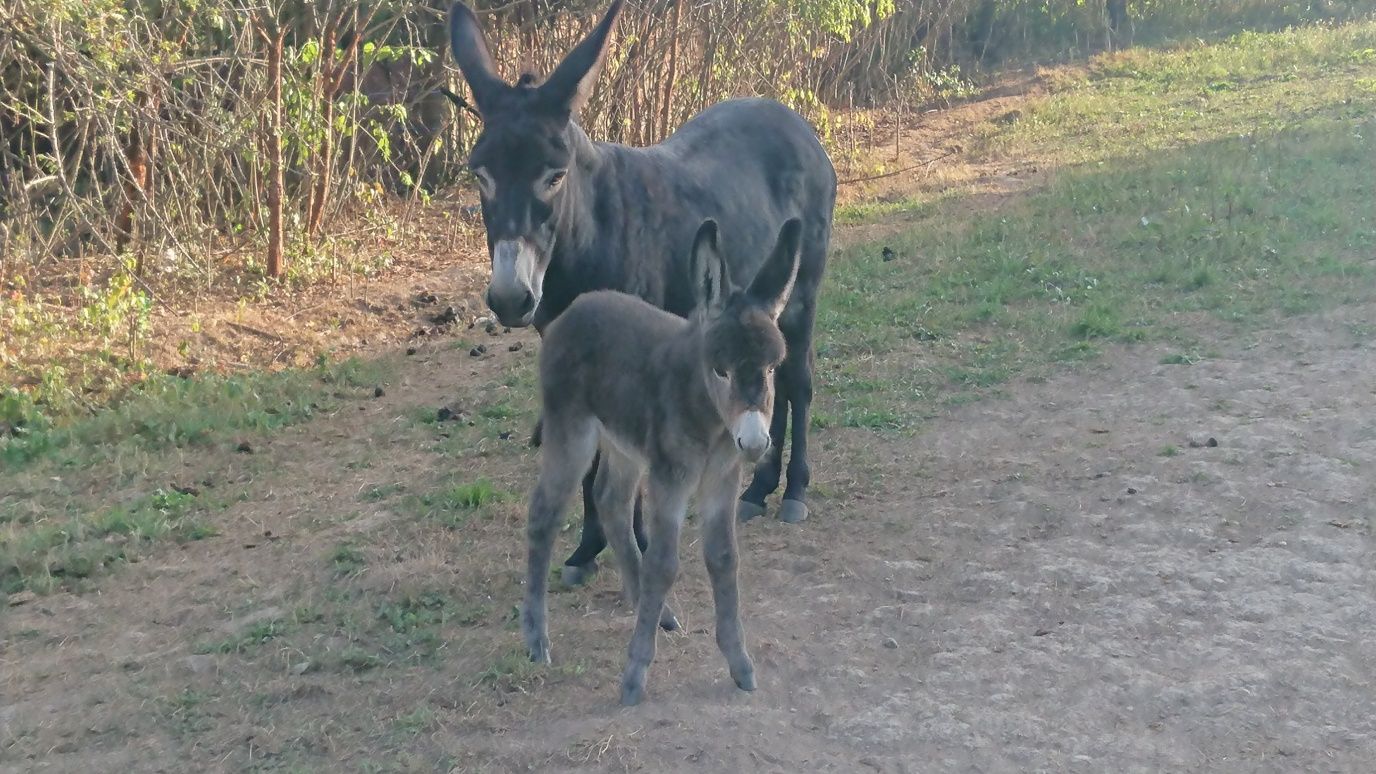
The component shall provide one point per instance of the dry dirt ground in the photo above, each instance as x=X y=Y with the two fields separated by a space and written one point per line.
x=1066 y=579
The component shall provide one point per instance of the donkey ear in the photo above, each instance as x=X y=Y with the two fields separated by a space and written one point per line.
x=774 y=281
x=709 y=277
x=567 y=88
x=469 y=48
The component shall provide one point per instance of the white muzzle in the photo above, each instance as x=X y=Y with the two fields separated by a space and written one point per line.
x=751 y=431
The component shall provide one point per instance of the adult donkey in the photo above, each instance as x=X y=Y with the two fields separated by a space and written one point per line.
x=566 y=215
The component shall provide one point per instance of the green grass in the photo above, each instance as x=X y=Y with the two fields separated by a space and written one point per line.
x=454 y=504
x=347 y=559
x=1237 y=214
x=1133 y=102
x=251 y=637
x=43 y=552
x=168 y=412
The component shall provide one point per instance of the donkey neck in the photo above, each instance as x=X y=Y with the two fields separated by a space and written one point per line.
x=576 y=228
x=599 y=226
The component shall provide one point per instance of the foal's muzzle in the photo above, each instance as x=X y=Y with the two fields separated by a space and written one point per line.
x=751 y=431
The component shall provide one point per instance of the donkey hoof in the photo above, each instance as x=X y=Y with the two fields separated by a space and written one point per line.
x=746 y=510
x=575 y=575
x=745 y=680
x=792 y=511
x=668 y=621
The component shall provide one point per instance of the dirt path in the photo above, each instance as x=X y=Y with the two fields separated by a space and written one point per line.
x=1032 y=583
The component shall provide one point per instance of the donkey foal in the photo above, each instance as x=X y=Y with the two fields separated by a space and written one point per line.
x=680 y=401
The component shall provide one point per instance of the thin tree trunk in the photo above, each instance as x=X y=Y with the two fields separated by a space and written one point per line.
x=274 y=141
x=673 y=72
x=138 y=152
x=315 y=203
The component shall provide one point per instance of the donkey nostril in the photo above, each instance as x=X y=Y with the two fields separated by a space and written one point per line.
x=527 y=303
x=740 y=444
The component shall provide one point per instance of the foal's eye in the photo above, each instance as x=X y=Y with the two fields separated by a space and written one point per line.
x=721 y=374
x=555 y=179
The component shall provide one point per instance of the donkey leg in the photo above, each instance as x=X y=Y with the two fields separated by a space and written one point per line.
x=798 y=370
x=618 y=495
x=581 y=565
x=767 y=472
x=720 y=554
x=566 y=454
x=668 y=507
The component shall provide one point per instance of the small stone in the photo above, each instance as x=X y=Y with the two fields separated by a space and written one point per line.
x=301 y=668
x=378 y=392
x=1132 y=490
x=890 y=643
x=491 y=328
x=889 y=254
x=21 y=598
x=1041 y=632
x=1211 y=443
x=447 y=413
x=244 y=448
x=515 y=347
x=904 y=595
x=505 y=436
x=410 y=350
x=477 y=351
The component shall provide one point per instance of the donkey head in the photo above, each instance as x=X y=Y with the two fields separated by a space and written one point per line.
x=523 y=156
x=742 y=344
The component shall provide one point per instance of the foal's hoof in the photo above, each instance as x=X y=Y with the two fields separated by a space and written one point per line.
x=792 y=511
x=574 y=575
x=632 y=692
x=745 y=680
x=746 y=510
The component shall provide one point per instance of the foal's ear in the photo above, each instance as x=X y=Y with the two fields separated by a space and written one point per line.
x=774 y=281
x=567 y=88
x=709 y=275
x=468 y=46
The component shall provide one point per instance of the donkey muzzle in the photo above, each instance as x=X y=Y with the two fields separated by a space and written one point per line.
x=514 y=291
x=751 y=431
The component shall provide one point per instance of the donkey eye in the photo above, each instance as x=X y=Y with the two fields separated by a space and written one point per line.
x=721 y=374
x=556 y=178
x=485 y=182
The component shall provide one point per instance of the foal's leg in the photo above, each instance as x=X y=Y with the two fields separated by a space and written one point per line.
x=566 y=452
x=668 y=507
x=718 y=504
x=618 y=491
x=769 y=470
